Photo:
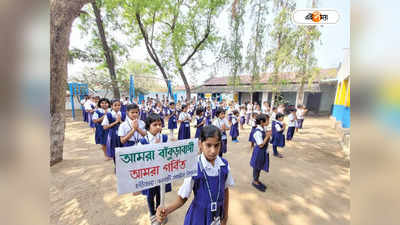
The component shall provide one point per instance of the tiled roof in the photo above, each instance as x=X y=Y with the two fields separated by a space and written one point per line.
x=265 y=77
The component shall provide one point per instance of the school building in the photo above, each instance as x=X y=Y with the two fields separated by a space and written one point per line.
x=319 y=95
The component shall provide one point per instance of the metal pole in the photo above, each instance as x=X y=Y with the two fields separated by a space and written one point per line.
x=71 y=94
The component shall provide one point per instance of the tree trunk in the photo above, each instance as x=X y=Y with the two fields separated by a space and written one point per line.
x=107 y=51
x=62 y=14
x=273 y=99
x=185 y=82
x=300 y=94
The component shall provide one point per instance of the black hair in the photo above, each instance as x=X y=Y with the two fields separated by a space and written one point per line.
x=219 y=111
x=199 y=111
x=235 y=112
x=114 y=101
x=293 y=110
x=279 y=115
x=151 y=118
x=254 y=114
x=273 y=108
x=209 y=131
x=103 y=100
x=183 y=106
x=299 y=105
x=172 y=103
x=132 y=106
x=262 y=118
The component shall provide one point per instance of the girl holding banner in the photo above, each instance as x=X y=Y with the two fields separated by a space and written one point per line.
x=211 y=185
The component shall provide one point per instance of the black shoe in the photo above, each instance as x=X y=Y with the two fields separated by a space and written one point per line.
x=258 y=187
x=264 y=186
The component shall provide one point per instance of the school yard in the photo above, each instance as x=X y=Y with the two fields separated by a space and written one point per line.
x=309 y=186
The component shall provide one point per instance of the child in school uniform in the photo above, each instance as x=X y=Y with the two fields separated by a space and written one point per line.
x=172 y=119
x=111 y=122
x=153 y=135
x=132 y=129
x=223 y=125
x=143 y=111
x=252 y=123
x=159 y=110
x=278 y=138
x=300 y=116
x=210 y=204
x=184 y=120
x=234 y=132
x=208 y=115
x=291 y=125
x=260 y=157
x=273 y=114
x=90 y=108
x=248 y=112
x=100 y=135
x=242 y=116
x=200 y=121
x=84 y=114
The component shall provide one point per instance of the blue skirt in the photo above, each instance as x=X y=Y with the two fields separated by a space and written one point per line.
x=123 y=108
x=242 y=120
x=113 y=141
x=143 y=116
x=172 y=123
x=84 y=114
x=213 y=113
x=260 y=158
x=91 y=123
x=100 y=135
x=251 y=138
x=224 y=148
x=290 y=133
x=278 y=139
x=234 y=132
x=184 y=131
x=198 y=130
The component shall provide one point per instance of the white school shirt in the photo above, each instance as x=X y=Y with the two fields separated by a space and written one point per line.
x=277 y=127
x=256 y=111
x=299 y=114
x=249 y=108
x=126 y=126
x=113 y=114
x=242 y=113
x=218 y=123
x=252 y=122
x=212 y=171
x=183 y=115
x=281 y=110
x=88 y=105
x=83 y=101
x=273 y=116
x=258 y=135
x=292 y=121
x=95 y=115
x=234 y=119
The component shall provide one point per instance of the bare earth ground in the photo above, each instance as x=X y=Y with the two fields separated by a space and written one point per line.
x=311 y=185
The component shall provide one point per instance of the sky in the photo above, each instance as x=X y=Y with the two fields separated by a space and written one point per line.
x=334 y=38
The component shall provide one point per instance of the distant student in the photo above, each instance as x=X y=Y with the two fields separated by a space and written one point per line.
x=184 y=120
x=111 y=122
x=158 y=109
x=248 y=112
x=200 y=121
x=208 y=115
x=90 y=107
x=153 y=136
x=84 y=113
x=210 y=187
x=291 y=125
x=273 y=114
x=223 y=125
x=260 y=157
x=278 y=138
x=100 y=135
x=242 y=116
x=234 y=132
x=132 y=129
x=300 y=116
x=172 y=119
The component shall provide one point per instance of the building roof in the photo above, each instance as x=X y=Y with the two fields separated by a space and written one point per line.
x=265 y=77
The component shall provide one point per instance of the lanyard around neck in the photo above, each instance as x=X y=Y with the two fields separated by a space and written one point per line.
x=208 y=186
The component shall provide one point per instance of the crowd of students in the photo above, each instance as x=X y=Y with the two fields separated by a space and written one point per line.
x=120 y=123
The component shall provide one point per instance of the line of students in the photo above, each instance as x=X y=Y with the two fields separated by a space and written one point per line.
x=211 y=184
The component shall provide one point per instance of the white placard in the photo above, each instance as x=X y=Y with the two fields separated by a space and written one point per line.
x=144 y=166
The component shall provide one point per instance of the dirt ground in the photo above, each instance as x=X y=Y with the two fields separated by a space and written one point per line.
x=309 y=186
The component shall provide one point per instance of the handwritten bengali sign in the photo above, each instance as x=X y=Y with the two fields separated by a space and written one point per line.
x=145 y=166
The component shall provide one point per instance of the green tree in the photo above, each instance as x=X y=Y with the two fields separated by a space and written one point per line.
x=103 y=25
x=305 y=61
x=174 y=31
x=280 y=57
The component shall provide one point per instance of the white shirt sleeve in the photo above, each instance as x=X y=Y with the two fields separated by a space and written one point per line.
x=105 y=121
x=122 y=130
x=186 y=188
x=258 y=137
x=95 y=116
x=88 y=106
x=229 y=179
x=182 y=116
x=278 y=128
x=215 y=123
